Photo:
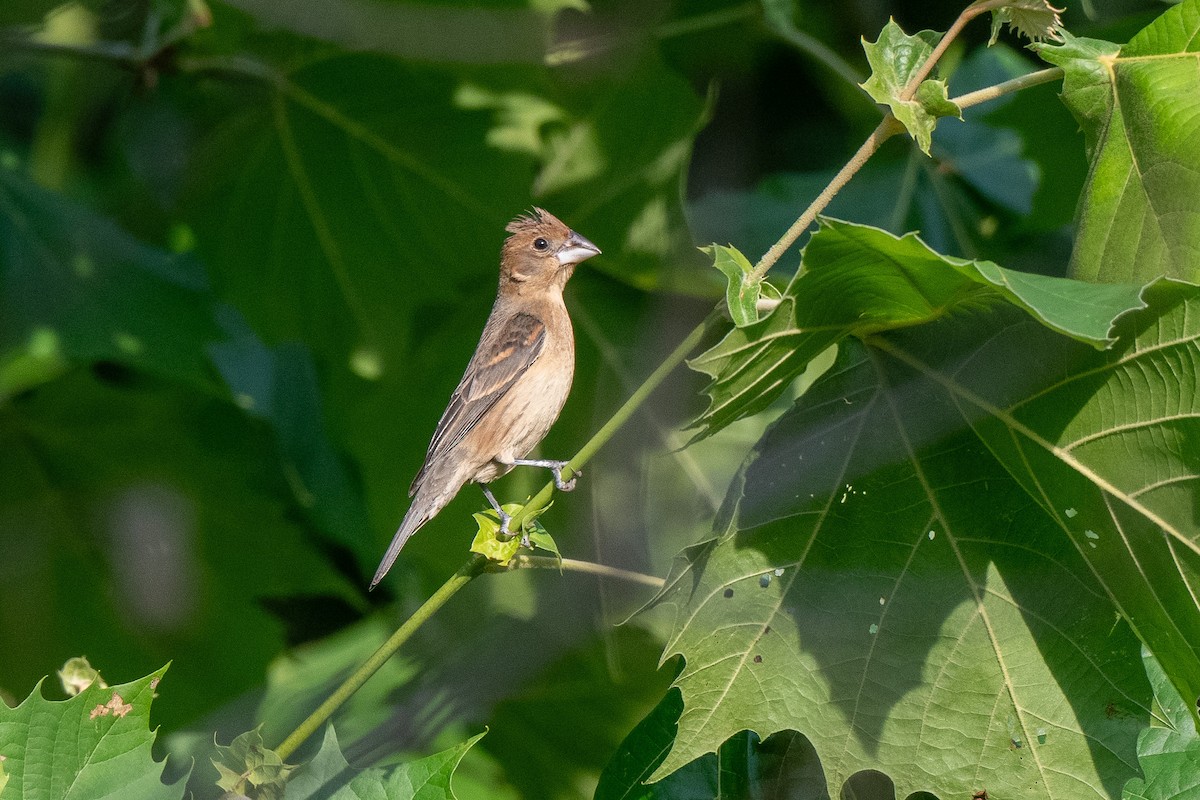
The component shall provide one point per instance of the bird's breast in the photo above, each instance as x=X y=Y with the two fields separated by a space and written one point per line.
x=527 y=411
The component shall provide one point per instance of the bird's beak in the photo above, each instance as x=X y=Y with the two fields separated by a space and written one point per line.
x=576 y=249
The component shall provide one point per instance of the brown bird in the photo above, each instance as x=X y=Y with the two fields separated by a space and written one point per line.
x=515 y=384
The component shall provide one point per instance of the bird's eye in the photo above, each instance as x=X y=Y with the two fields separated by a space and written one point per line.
x=540 y=244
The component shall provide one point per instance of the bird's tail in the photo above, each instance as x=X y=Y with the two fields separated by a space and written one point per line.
x=421 y=511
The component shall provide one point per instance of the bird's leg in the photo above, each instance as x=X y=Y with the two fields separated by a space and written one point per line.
x=505 y=517
x=555 y=467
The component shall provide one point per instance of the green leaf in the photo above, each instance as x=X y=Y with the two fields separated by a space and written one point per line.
x=78 y=674
x=329 y=777
x=928 y=555
x=95 y=744
x=1169 y=750
x=1034 y=19
x=146 y=518
x=488 y=541
x=1139 y=107
x=248 y=767
x=74 y=287
x=741 y=295
x=856 y=280
x=562 y=725
x=894 y=58
x=785 y=765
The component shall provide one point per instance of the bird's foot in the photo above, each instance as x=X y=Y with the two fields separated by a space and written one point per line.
x=559 y=483
x=556 y=468
x=505 y=519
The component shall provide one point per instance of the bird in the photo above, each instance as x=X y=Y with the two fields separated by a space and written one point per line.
x=515 y=384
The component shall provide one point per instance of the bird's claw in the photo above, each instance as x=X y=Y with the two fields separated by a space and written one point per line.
x=559 y=483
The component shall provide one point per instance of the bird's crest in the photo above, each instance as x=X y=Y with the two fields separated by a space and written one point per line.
x=531 y=219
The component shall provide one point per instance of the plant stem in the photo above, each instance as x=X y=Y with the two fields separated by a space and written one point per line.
x=887 y=128
x=1007 y=87
x=468 y=572
x=523 y=561
x=969 y=13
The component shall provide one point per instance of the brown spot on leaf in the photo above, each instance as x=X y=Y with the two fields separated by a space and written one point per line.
x=119 y=707
x=729 y=592
x=758 y=659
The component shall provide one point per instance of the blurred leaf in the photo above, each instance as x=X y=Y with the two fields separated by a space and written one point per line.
x=139 y=519
x=74 y=287
x=943 y=530
x=248 y=767
x=856 y=280
x=1169 y=751
x=1134 y=221
x=298 y=680
x=785 y=765
x=989 y=158
x=78 y=674
x=329 y=777
x=560 y=729
x=895 y=57
x=95 y=744
x=280 y=385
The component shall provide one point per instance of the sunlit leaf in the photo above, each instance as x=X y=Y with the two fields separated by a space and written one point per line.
x=95 y=744
x=856 y=280
x=1139 y=106
x=895 y=57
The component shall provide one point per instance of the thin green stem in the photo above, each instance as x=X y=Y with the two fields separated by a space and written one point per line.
x=969 y=13
x=523 y=561
x=886 y=129
x=474 y=567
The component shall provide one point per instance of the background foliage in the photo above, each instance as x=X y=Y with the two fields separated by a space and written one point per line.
x=245 y=250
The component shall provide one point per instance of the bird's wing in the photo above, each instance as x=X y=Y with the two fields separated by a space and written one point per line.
x=493 y=370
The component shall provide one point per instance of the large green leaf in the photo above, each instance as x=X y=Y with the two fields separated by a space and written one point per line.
x=1169 y=753
x=92 y=746
x=142 y=519
x=920 y=566
x=855 y=280
x=1139 y=106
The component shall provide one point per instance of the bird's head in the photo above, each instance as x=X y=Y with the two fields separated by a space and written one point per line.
x=541 y=252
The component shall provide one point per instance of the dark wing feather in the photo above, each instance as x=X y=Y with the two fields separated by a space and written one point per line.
x=493 y=370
